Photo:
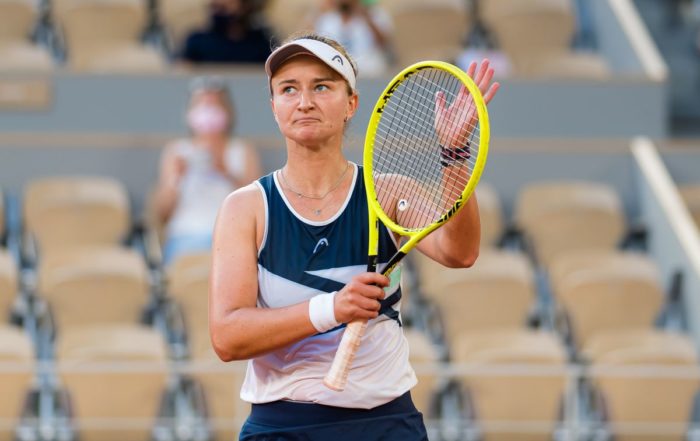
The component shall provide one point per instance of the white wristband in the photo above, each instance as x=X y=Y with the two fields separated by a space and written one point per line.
x=322 y=312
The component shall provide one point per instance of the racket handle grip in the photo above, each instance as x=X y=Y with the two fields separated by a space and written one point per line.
x=337 y=376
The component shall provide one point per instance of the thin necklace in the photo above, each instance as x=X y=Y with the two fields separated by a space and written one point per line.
x=321 y=197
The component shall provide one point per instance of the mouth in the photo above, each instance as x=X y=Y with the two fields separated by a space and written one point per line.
x=306 y=120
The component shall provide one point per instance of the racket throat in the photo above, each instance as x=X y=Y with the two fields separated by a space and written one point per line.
x=391 y=264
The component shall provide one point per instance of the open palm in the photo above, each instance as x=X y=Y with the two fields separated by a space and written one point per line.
x=454 y=123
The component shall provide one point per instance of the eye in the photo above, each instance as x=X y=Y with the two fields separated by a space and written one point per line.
x=322 y=87
x=288 y=90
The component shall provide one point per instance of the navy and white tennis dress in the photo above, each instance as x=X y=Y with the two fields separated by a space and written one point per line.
x=297 y=260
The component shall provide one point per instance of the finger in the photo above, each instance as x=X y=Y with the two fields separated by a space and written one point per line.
x=440 y=102
x=372 y=279
x=482 y=71
x=486 y=81
x=369 y=291
x=471 y=69
x=369 y=304
x=461 y=100
x=488 y=96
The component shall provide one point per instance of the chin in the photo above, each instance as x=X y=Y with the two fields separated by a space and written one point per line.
x=308 y=137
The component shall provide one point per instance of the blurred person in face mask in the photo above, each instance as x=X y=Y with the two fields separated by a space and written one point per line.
x=232 y=36
x=198 y=172
x=362 y=27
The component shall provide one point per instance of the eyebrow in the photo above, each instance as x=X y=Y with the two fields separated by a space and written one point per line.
x=315 y=80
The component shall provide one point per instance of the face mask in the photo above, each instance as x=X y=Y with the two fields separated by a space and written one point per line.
x=207 y=120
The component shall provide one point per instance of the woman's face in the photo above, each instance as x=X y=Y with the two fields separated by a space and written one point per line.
x=310 y=101
x=208 y=114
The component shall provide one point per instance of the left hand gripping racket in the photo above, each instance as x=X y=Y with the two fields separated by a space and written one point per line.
x=425 y=149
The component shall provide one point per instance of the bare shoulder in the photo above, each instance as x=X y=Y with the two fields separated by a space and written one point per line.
x=242 y=215
x=244 y=203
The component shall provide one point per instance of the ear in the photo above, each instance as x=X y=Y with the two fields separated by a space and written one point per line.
x=353 y=102
x=274 y=114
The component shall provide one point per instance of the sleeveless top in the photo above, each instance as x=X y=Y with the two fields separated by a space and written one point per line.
x=203 y=189
x=300 y=258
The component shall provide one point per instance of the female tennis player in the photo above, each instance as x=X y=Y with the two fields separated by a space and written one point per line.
x=289 y=259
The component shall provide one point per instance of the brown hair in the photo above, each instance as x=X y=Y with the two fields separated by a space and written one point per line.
x=330 y=42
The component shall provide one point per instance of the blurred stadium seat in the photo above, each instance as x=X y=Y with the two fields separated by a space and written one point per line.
x=691 y=195
x=290 y=16
x=497 y=292
x=17 y=350
x=491 y=214
x=569 y=264
x=221 y=384
x=64 y=212
x=422 y=351
x=180 y=17
x=634 y=373
x=617 y=292
x=2 y=216
x=17 y=52
x=188 y=285
x=537 y=36
x=432 y=30
x=115 y=377
x=8 y=283
x=94 y=285
x=105 y=36
x=517 y=404
x=559 y=217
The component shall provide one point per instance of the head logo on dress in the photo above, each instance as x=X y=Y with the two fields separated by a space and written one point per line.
x=338 y=59
x=322 y=242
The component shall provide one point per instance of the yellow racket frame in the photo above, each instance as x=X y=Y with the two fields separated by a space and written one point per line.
x=340 y=368
x=415 y=235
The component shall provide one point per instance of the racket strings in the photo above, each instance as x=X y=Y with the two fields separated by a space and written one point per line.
x=426 y=109
x=410 y=180
x=430 y=111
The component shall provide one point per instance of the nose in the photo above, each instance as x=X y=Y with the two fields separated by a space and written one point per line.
x=306 y=101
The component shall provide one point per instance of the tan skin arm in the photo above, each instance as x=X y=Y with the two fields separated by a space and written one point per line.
x=172 y=168
x=238 y=328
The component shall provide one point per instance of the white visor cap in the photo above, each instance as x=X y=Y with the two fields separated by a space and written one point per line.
x=324 y=52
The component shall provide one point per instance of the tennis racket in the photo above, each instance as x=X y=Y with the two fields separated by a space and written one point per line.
x=425 y=149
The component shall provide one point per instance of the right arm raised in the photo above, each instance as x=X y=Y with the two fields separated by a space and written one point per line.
x=238 y=328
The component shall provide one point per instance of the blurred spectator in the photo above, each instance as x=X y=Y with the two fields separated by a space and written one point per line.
x=198 y=172
x=363 y=27
x=233 y=36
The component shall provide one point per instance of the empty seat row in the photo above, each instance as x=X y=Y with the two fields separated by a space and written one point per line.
x=519 y=385
x=595 y=291
x=118 y=383
x=515 y=382
x=106 y=35
x=535 y=35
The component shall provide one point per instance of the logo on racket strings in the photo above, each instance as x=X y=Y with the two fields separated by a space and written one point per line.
x=395 y=85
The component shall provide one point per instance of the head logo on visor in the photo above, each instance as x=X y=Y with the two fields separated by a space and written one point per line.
x=324 y=52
